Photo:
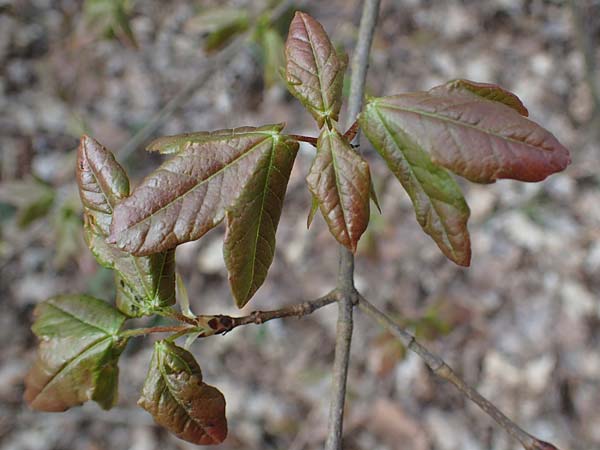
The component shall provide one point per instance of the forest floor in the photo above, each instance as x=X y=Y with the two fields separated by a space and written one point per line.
x=522 y=324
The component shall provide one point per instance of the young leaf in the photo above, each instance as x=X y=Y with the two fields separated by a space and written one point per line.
x=480 y=139
x=249 y=245
x=439 y=205
x=189 y=194
x=486 y=90
x=143 y=283
x=339 y=179
x=314 y=71
x=102 y=182
x=78 y=353
x=179 y=400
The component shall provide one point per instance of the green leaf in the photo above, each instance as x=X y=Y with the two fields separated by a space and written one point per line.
x=314 y=71
x=314 y=207
x=440 y=208
x=102 y=182
x=32 y=197
x=179 y=400
x=486 y=90
x=144 y=284
x=274 y=55
x=339 y=179
x=78 y=353
x=477 y=138
x=189 y=194
x=252 y=220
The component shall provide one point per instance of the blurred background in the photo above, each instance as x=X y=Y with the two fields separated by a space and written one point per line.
x=522 y=324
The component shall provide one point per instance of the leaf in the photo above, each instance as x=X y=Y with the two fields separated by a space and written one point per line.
x=440 y=208
x=249 y=245
x=314 y=207
x=189 y=194
x=340 y=180
x=101 y=180
x=314 y=71
x=179 y=400
x=274 y=55
x=78 y=353
x=32 y=197
x=144 y=284
x=486 y=90
x=477 y=138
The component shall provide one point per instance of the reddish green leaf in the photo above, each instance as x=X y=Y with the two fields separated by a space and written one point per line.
x=439 y=205
x=486 y=90
x=143 y=283
x=179 y=400
x=78 y=353
x=339 y=179
x=102 y=182
x=480 y=139
x=314 y=71
x=314 y=207
x=249 y=245
x=189 y=194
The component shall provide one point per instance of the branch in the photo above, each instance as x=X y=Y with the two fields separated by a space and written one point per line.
x=443 y=370
x=345 y=282
x=209 y=325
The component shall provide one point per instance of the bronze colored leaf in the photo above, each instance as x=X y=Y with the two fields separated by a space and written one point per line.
x=314 y=71
x=143 y=283
x=249 y=245
x=189 y=194
x=179 y=400
x=486 y=90
x=339 y=179
x=78 y=353
x=439 y=205
x=102 y=182
x=480 y=139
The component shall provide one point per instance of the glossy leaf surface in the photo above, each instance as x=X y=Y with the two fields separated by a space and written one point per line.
x=179 y=400
x=102 y=182
x=339 y=179
x=252 y=221
x=189 y=194
x=143 y=283
x=78 y=353
x=439 y=205
x=488 y=91
x=480 y=139
x=314 y=71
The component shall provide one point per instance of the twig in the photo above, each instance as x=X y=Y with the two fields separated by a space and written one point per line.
x=345 y=283
x=209 y=325
x=212 y=64
x=443 y=370
x=586 y=46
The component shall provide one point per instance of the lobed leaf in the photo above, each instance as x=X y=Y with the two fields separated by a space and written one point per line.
x=339 y=179
x=314 y=71
x=249 y=245
x=189 y=194
x=179 y=400
x=486 y=90
x=480 y=139
x=78 y=353
x=101 y=180
x=143 y=283
x=439 y=206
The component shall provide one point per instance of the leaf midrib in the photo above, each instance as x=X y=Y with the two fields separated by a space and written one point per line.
x=391 y=135
x=461 y=124
x=202 y=182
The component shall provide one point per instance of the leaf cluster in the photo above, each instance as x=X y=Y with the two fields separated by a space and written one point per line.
x=239 y=176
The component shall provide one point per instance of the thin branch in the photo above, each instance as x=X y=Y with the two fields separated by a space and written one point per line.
x=585 y=43
x=443 y=370
x=308 y=139
x=209 y=325
x=212 y=65
x=345 y=282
